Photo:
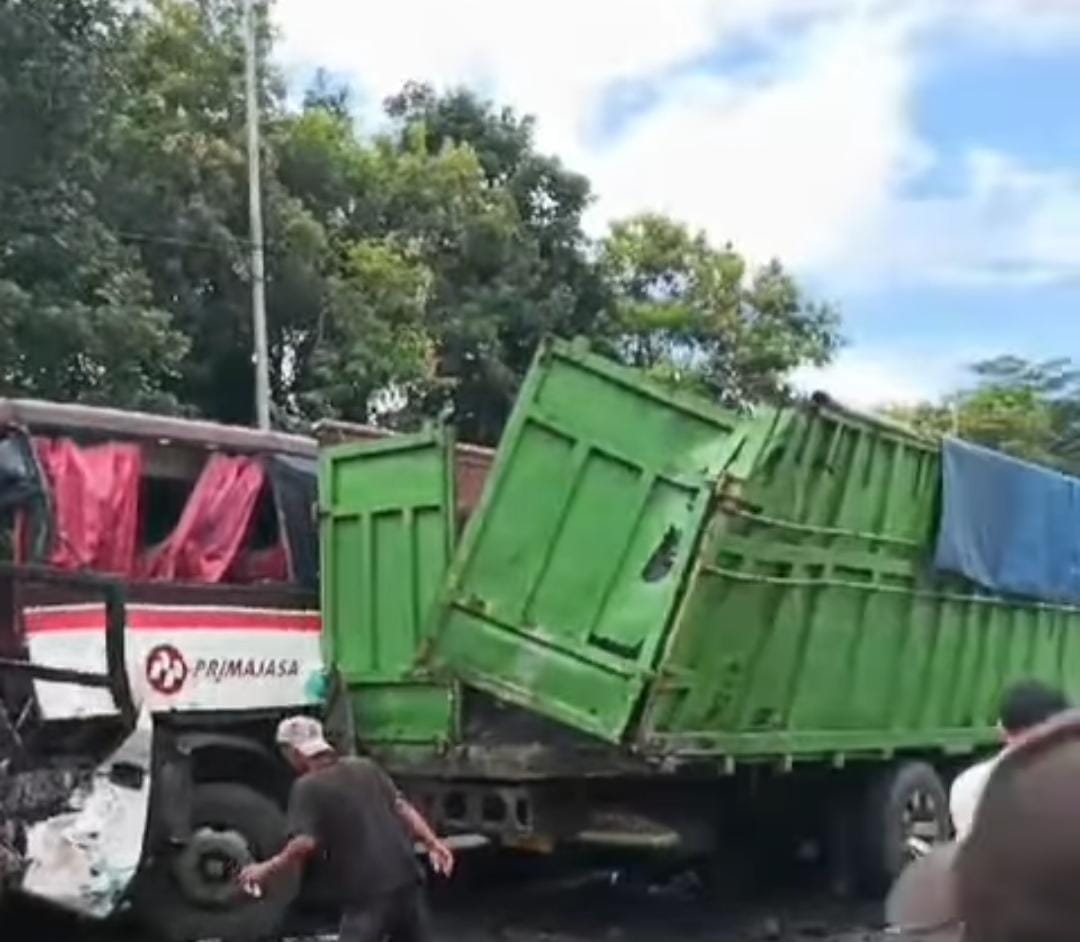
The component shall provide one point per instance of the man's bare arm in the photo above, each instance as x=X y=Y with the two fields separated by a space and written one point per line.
x=442 y=858
x=415 y=822
x=296 y=851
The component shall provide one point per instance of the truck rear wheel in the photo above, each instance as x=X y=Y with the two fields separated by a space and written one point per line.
x=906 y=807
x=191 y=893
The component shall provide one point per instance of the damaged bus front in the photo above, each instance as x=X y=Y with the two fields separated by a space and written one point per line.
x=158 y=615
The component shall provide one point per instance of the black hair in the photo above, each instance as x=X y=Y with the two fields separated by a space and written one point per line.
x=1028 y=704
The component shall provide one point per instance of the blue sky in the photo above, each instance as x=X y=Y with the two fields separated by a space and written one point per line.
x=915 y=161
x=1016 y=102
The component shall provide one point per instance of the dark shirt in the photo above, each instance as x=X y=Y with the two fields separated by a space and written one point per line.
x=349 y=809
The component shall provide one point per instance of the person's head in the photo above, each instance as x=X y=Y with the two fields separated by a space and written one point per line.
x=302 y=742
x=1016 y=874
x=1014 y=877
x=1026 y=705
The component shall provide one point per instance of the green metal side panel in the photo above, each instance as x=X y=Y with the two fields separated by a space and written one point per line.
x=564 y=585
x=387 y=530
x=813 y=625
x=403 y=713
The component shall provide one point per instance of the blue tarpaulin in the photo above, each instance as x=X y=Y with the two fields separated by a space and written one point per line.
x=1010 y=526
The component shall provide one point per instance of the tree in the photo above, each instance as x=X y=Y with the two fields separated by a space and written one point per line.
x=519 y=271
x=410 y=229
x=375 y=347
x=77 y=318
x=1028 y=409
x=492 y=230
x=177 y=179
x=692 y=314
x=409 y=274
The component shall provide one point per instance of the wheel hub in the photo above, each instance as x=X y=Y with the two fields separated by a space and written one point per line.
x=206 y=868
x=921 y=820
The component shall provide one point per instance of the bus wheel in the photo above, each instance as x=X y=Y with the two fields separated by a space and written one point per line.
x=191 y=892
x=906 y=812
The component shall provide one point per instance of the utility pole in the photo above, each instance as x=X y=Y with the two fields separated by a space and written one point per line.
x=258 y=274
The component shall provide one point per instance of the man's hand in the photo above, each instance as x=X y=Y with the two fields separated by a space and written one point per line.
x=441 y=858
x=253 y=877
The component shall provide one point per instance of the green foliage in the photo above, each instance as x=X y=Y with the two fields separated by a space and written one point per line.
x=1031 y=410
x=77 y=316
x=375 y=338
x=177 y=180
x=693 y=315
x=512 y=270
x=409 y=274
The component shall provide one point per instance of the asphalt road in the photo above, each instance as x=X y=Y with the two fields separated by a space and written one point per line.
x=550 y=904
x=602 y=906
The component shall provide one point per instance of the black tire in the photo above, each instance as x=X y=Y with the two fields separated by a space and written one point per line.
x=906 y=800
x=164 y=901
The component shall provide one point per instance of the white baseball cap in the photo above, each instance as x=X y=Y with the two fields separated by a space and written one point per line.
x=304 y=734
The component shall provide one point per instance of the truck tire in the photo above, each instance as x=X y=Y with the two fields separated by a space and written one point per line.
x=190 y=893
x=906 y=801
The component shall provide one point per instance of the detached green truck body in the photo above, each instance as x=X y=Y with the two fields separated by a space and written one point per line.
x=667 y=610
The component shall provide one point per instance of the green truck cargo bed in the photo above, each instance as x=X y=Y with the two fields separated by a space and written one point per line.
x=666 y=575
x=387 y=532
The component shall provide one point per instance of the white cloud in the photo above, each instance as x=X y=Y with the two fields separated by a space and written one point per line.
x=805 y=155
x=1008 y=225
x=786 y=166
x=1033 y=23
x=782 y=163
x=554 y=59
x=868 y=378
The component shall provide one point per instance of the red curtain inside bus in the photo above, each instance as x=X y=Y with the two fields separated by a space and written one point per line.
x=208 y=539
x=95 y=496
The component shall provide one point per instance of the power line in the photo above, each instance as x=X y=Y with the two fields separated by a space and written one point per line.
x=150 y=237
x=132 y=235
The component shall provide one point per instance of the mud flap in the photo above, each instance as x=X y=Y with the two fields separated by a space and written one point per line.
x=85 y=858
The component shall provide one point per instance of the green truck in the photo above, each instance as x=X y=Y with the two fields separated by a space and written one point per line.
x=666 y=625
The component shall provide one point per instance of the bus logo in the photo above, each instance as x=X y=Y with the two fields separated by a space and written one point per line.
x=166 y=669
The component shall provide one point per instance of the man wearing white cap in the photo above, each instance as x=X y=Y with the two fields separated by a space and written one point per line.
x=346 y=810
